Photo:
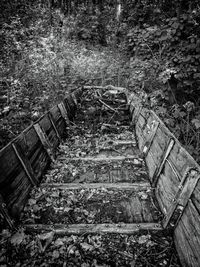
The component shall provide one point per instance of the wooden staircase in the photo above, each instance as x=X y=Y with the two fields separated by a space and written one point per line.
x=97 y=188
x=112 y=190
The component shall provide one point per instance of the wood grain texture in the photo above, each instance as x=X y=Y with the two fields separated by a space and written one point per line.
x=187 y=237
x=78 y=229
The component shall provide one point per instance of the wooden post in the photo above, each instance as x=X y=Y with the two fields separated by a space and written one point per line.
x=45 y=141
x=25 y=164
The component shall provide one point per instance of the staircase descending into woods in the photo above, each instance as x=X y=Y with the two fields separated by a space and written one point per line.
x=112 y=188
x=99 y=184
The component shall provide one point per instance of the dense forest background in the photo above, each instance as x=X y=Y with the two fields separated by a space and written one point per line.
x=152 y=47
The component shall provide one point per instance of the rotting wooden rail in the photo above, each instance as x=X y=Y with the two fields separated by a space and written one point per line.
x=174 y=174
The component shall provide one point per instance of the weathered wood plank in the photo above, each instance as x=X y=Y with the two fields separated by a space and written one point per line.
x=163 y=158
x=132 y=210
x=72 y=186
x=79 y=229
x=183 y=194
x=106 y=159
x=167 y=186
x=185 y=243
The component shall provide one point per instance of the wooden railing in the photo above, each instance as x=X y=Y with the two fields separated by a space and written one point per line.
x=175 y=176
x=25 y=159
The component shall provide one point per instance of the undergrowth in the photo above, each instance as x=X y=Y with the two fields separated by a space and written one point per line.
x=53 y=54
x=44 y=66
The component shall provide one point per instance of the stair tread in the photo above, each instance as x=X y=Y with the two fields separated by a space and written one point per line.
x=120 y=228
x=94 y=204
x=71 y=186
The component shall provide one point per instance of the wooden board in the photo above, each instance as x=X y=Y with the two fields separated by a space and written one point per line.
x=78 y=229
x=187 y=237
x=187 y=232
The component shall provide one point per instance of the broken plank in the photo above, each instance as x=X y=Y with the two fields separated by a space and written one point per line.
x=71 y=186
x=78 y=229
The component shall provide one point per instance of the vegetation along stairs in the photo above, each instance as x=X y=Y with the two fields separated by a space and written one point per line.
x=119 y=173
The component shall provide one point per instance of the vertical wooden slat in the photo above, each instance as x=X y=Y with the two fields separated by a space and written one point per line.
x=45 y=141
x=25 y=164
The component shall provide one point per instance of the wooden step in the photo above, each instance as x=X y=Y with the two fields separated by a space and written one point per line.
x=73 y=186
x=79 y=229
x=135 y=159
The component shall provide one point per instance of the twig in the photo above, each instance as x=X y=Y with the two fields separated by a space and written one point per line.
x=114 y=110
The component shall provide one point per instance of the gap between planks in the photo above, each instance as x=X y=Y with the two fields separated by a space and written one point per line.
x=78 y=229
x=72 y=186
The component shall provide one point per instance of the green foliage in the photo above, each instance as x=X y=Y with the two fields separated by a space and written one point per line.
x=176 y=44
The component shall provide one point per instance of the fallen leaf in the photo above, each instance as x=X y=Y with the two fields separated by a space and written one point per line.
x=56 y=254
x=87 y=246
x=18 y=238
